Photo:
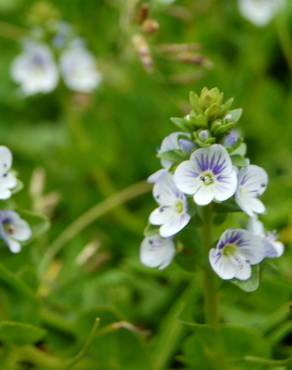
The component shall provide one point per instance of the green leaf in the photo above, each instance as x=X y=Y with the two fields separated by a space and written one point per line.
x=19 y=333
x=175 y=156
x=211 y=349
x=239 y=160
x=234 y=115
x=194 y=100
x=181 y=123
x=151 y=230
x=252 y=283
x=39 y=224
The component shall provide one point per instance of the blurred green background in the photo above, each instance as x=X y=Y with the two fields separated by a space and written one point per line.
x=88 y=147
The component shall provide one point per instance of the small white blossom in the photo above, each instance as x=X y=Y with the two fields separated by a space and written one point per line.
x=172 y=213
x=208 y=175
x=260 y=12
x=78 y=68
x=234 y=254
x=13 y=230
x=175 y=141
x=273 y=247
x=7 y=178
x=35 y=70
x=157 y=252
x=152 y=179
x=252 y=182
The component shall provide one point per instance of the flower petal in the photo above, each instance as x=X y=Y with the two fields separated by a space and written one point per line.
x=223 y=266
x=5 y=160
x=174 y=225
x=225 y=186
x=204 y=195
x=186 y=177
x=157 y=252
x=165 y=191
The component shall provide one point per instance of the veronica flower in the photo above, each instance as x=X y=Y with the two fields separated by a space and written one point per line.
x=208 y=175
x=35 y=70
x=273 y=247
x=172 y=213
x=13 y=230
x=260 y=12
x=252 y=182
x=175 y=141
x=78 y=68
x=234 y=254
x=7 y=178
x=157 y=252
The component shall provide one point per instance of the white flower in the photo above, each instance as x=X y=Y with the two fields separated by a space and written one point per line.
x=252 y=182
x=152 y=179
x=235 y=252
x=7 y=178
x=157 y=252
x=172 y=212
x=260 y=12
x=78 y=68
x=208 y=175
x=13 y=230
x=35 y=70
x=273 y=247
x=175 y=141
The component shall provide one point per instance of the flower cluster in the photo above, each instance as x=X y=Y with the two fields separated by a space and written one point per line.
x=205 y=164
x=260 y=12
x=13 y=229
x=44 y=60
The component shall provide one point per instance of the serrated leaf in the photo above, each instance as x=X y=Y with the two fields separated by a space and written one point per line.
x=18 y=333
x=252 y=283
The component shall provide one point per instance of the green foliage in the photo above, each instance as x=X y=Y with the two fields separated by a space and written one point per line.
x=91 y=146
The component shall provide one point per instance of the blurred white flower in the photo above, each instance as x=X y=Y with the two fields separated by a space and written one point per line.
x=260 y=12
x=235 y=252
x=174 y=141
x=13 y=230
x=252 y=182
x=273 y=247
x=78 y=68
x=7 y=178
x=172 y=213
x=208 y=175
x=34 y=69
x=157 y=252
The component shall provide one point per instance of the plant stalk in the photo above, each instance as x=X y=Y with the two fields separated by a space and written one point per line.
x=210 y=294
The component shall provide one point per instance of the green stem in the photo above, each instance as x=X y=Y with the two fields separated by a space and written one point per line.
x=39 y=358
x=90 y=216
x=268 y=361
x=210 y=294
x=85 y=347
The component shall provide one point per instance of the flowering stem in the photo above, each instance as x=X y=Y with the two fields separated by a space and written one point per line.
x=210 y=294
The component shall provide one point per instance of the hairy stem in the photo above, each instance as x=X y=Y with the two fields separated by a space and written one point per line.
x=210 y=294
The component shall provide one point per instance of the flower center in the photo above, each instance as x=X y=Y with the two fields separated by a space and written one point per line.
x=229 y=250
x=179 y=207
x=207 y=178
x=9 y=229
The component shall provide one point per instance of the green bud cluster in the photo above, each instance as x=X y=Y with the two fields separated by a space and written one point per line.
x=210 y=118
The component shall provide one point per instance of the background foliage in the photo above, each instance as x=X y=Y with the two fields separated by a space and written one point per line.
x=87 y=148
